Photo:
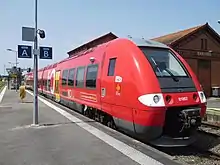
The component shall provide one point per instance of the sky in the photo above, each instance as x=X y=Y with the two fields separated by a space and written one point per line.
x=71 y=23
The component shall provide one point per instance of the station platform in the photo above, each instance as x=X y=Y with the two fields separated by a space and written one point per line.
x=213 y=110
x=213 y=103
x=64 y=137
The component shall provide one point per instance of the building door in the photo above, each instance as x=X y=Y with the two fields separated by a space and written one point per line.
x=204 y=75
x=193 y=65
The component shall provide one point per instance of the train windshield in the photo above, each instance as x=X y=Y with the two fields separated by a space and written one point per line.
x=164 y=62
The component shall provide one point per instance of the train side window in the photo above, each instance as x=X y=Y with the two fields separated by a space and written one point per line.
x=38 y=83
x=91 y=76
x=64 y=77
x=71 y=77
x=44 y=82
x=111 y=67
x=80 y=77
x=48 y=85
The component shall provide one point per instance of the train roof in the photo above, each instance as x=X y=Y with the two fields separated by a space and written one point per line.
x=137 y=41
x=148 y=43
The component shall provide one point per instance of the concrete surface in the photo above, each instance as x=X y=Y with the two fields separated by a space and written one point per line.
x=213 y=103
x=57 y=140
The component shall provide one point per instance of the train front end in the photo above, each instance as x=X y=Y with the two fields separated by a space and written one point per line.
x=181 y=97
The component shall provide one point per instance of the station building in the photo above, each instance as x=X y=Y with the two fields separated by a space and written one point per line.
x=199 y=46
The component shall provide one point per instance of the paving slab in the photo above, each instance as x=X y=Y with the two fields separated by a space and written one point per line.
x=213 y=102
x=56 y=141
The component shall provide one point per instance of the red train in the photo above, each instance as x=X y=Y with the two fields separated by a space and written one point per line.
x=141 y=87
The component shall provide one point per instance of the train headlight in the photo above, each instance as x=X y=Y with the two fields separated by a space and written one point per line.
x=202 y=96
x=152 y=100
x=156 y=99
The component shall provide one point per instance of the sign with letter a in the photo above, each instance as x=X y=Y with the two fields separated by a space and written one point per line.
x=24 y=51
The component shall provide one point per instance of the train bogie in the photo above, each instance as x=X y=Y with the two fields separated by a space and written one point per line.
x=142 y=87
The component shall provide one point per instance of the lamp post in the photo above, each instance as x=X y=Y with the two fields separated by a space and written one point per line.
x=12 y=63
x=4 y=69
x=16 y=62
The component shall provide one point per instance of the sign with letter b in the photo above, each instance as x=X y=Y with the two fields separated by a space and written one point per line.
x=45 y=52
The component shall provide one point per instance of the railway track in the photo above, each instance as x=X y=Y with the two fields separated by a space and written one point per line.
x=210 y=129
x=210 y=133
x=191 y=151
x=215 y=126
x=209 y=153
x=213 y=155
x=196 y=154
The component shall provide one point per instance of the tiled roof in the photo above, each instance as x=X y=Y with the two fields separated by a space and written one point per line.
x=173 y=37
x=93 y=42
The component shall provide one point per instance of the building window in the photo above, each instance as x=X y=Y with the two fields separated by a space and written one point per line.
x=64 y=77
x=111 y=67
x=91 y=76
x=71 y=77
x=80 y=77
x=204 y=44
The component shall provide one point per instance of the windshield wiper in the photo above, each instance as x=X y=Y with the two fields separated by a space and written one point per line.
x=170 y=73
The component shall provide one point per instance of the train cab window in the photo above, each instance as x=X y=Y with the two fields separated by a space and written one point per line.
x=71 y=77
x=164 y=62
x=80 y=77
x=64 y=77
x=111 y=67
x=91 y=76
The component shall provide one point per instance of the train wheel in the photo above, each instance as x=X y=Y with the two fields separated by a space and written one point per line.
x=111 y=123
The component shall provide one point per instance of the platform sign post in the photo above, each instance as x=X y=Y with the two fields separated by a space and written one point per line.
x=35 y=115
x=31 y=35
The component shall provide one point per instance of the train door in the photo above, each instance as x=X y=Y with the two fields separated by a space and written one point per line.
x=57 y=91
x=204 y=75
x=107 y=81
